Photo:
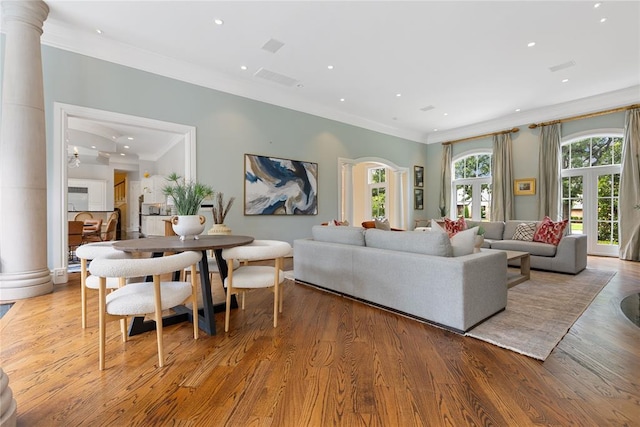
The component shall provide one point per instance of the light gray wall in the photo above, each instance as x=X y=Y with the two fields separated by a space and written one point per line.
x=525 y=159
x=172 y=161
x=227 y=127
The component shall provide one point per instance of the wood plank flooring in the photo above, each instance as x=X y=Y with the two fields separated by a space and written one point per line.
x=330 y=362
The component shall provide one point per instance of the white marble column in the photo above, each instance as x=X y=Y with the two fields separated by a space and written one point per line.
x=347 y=182
x=23 y=170
x=399 y=198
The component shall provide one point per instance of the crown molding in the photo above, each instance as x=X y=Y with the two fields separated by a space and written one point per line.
x=592 y=104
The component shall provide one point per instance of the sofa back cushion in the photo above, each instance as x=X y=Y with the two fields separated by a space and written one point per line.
x=428 y=243
x=493 y=230
x=342 y=235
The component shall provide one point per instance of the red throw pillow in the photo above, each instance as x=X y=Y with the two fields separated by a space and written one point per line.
x=549 y=231
x=452 y=227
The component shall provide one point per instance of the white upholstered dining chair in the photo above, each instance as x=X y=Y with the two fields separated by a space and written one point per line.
x=86 y=253
x=248 y=277
x=139 y=299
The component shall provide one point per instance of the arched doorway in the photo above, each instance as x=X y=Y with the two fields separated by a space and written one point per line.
x=353 y=190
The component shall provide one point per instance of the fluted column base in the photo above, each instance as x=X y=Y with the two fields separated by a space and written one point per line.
x=8 y=405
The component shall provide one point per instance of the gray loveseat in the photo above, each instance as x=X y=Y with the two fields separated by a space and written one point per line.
x=570 y=256
x=410 y=273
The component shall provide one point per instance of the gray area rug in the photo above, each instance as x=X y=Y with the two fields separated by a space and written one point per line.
x=541 y=311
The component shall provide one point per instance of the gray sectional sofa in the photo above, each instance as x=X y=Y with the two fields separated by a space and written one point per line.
x=570 y=256
x=407 y=272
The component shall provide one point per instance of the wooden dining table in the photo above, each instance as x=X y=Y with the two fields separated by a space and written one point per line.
x=157 y=246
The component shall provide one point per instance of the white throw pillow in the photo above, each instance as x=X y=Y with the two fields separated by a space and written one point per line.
x=437 y=227
x=464 y=241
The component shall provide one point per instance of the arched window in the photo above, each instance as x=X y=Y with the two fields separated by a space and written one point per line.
x=590 y=184
x=471 y=186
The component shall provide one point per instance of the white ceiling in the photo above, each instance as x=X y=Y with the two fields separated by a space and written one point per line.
x=468 y=60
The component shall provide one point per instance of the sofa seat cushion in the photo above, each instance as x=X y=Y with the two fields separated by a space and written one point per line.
x=534 y=248
x=343 y=235
x=428 y=243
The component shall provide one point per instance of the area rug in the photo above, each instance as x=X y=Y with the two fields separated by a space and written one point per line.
x=541 y=311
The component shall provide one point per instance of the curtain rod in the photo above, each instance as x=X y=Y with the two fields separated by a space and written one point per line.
x=585 y=116
x=513 y=130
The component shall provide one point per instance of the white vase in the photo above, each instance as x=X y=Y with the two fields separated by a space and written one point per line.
x=188 y=226
x=478 y=242
x=219 y=229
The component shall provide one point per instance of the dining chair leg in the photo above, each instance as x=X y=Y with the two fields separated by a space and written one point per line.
x=102 y=303
x=158 y=305
x=83 y=291
x=227 y=313
x=280 y=285
x=194 y=302
x=276 y=287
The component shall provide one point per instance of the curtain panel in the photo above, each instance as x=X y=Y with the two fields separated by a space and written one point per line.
x=629 y=196
x=502 y=179
x=445 y=182
x=549 y=172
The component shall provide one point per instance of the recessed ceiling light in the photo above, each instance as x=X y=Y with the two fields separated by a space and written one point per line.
x=398 y=95
x=517 y=110
x=565 y=80
x=330 y=67
x=446 y=114
x=341 y=99
x=597 y=5
x=130 y=138
x=126 y=146
x=531 y=44
x=243 y=67
x=98 y=30
x=218 y=21
x=113 y=137
x=122 y=154
x=603 y=20
x=93 y=146
x=435 y=130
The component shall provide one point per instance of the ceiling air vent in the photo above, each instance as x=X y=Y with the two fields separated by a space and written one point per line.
x=272 y=45
x=427 y=108
x=562 y=66
x=275 y=77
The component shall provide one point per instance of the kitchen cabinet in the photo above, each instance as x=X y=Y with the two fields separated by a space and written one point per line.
x=154 y=225
x=96 y=193
x=152 y=189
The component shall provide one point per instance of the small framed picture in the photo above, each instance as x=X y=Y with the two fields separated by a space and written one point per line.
x=418 y=199
x=418 y=176
x=524 y=187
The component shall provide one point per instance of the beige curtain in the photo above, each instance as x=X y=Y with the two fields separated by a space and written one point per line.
x=502 y=179
x=630 y=189
x=549 y=172
x=445 y=181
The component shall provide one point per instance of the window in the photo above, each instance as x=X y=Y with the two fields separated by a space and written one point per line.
x=472 y=187
x=378 y=186
x=590 y=185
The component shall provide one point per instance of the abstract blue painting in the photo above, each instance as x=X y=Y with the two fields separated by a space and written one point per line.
x=274 y=186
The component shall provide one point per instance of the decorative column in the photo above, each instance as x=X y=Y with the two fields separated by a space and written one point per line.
x=23 y=170
x=347 y=183
x=399 y=197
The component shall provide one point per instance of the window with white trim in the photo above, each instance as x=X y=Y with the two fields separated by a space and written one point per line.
x=378 y=187
x=471 y=187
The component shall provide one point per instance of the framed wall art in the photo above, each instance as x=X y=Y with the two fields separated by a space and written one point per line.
x=418 y=176
x=418 y=199
x=275 y=186
x=524 y=187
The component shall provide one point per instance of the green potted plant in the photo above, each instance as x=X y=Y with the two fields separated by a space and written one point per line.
x=187 y=197
x=220 y=210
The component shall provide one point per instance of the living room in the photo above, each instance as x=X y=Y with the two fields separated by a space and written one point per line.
x=232 y=125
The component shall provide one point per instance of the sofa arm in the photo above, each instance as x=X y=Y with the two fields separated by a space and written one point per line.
x=571 y=254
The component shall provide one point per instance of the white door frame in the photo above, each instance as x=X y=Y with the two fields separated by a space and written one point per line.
x=57 y=178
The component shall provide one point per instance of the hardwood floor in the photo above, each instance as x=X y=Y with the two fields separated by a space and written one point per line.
x=330 y=361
